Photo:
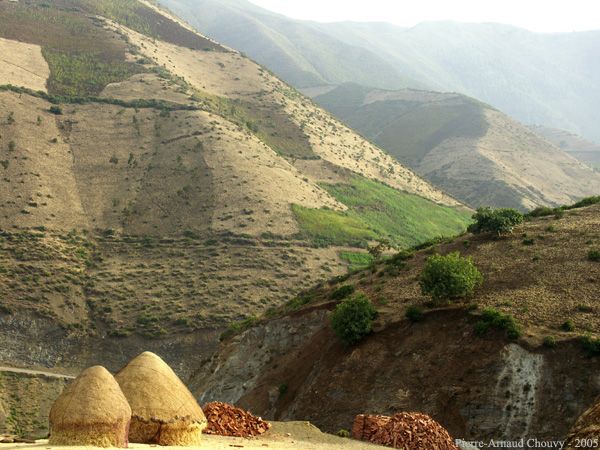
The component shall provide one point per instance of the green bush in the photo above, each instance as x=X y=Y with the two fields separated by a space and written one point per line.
x=342 y=292
x=591 y=345
x=491 y=318
x=587 y=201
x=414 y=313
x=497 y=221
x=55 y=110
x=343 y=433
x=568 y=325
x=352 y=319
x=449 y=277
x=550 y=342
x=594 y=255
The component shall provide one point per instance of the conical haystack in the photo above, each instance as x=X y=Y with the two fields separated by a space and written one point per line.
x=92 y=411
x=586 y=430
x=164 y=411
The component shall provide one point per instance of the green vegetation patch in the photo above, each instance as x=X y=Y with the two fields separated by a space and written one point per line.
x=84 y=74
x=353 y=319
x=356 y=260
x=449 y=277
x=378 y=212
x=83 y=56
x=491 y=318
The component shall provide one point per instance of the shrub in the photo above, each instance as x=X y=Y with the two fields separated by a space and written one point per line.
x=342 y=292
x=55 y=110
x=591 y=345
x=550 y=342
x=352 y=319
x=594 y=255
x=343 y=433
x=414 y=313
x=568 y=325
x=449 y=277
x=283 y=388
x=498 y=221
x=491 y=318
x=587 y=201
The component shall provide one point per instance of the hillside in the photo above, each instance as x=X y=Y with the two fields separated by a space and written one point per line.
x=585 y=151
x=514 y=70
x=481 y=384
x=157 y=187
x=465 y=147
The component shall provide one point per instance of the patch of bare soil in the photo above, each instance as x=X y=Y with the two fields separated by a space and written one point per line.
x=22 y=64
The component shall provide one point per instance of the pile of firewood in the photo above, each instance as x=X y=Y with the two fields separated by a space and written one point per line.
x=227 y=420
x=409 y=431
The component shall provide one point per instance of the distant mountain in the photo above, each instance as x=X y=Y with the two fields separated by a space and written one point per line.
x=300 y=54
x=549 y=79
x=576 y=146
x=471 y=150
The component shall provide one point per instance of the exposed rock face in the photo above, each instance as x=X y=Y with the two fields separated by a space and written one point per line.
x=477 y=388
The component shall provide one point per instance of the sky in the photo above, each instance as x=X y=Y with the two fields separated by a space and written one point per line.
x=534 y=15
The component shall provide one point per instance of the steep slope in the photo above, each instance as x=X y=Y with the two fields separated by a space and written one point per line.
x=479 y=385
x=514 y=70
x=467 y=148
x=160 y=185
x=585 y=151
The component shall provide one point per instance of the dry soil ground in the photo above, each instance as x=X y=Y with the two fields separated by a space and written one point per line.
x=283 y=436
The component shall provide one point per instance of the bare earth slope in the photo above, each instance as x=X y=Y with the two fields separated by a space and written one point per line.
x=585 y=151
x=467 y=148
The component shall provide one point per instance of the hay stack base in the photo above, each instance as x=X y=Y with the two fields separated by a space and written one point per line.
x=180 y=433
x=94 y=436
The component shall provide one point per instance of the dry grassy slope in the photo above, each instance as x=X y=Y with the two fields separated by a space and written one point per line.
x=230 y=75
x=472 y=151
x=22 y=64
x=135 y=180
x=508 y=166
x=585 y=151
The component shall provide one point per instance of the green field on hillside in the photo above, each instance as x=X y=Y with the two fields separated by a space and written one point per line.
x=376 y=211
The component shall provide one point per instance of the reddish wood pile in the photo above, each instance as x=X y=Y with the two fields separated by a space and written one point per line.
x=409 y=431
x=227 y=420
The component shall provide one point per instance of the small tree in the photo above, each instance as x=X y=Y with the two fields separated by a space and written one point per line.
x=498 y=221
x=449 y=277
x=352 y=319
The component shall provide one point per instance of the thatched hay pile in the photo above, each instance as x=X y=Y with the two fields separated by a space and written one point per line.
x=227 y=420
x=164 y=411
x=586 y=429
x=408 y=431
x=92 y=411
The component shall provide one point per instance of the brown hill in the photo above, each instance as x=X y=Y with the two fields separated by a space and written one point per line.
x=183 y=172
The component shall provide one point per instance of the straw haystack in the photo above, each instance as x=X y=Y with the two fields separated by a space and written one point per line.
x=92 y=410
x=586 y=430
x=164 y=411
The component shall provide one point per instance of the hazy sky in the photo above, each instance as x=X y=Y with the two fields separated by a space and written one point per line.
x=535 y=15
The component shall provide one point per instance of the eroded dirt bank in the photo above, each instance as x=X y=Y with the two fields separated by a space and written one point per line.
x=477 y=387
